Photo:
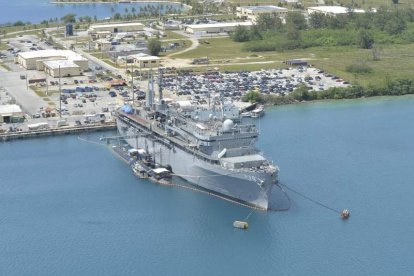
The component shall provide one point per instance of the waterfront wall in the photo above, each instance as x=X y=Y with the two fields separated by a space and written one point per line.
x=56 y=131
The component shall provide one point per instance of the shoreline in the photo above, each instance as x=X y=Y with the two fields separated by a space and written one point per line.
x=356 y=100
x=114 y=2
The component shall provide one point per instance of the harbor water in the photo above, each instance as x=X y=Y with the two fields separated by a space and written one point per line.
x=71 y=207
x=36 y=11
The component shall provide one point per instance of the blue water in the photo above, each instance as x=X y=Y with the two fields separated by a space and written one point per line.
x=68 y=207
x=37 y=10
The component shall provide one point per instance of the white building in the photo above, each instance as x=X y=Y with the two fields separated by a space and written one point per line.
x=215 y=28
x=169 y=25
x=115 y=28
x=11 y=113
x=62 y=68
x=102 y=45
x=332 y=10
x=45 y=60
x=252 y=12
x=145 y=61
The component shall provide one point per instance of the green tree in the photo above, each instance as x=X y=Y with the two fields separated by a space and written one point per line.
x=266 y=21
x=154 y=46
x=292 y=32
x=395 y=2
x=297 y=19
x=395 y=24
x=365 y=39
x=252 y=97
x=254 y=33
x=241 y=34
x=45 y=23
x=69 y=18
x=317 y=20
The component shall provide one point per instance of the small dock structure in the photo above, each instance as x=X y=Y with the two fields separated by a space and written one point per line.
x=56 y=131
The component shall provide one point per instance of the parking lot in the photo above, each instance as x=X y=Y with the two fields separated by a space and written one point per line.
x=99 y=91
x=236 y=84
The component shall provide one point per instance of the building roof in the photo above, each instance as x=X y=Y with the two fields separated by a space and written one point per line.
x=55 y=64
x=43 y=54
x=218 y=25
x=144 y=57
x=103 y=41
x=334 y=9
x=9 y=109
x=265 y=8
x=116 y=25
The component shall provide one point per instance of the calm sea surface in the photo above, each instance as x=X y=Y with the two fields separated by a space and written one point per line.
x=37 y=10
x=68 y=207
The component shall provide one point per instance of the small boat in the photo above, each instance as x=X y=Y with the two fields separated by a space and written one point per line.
x=139 y=170
x=246 y=114
x=345 y=214
x=258 y=112
x=240 y=224
x=160 y=173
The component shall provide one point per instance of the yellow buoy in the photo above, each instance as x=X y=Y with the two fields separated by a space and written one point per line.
x=240 y=224
x=345 y=214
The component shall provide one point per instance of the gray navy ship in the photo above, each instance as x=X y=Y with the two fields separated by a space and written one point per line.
x=211 y=146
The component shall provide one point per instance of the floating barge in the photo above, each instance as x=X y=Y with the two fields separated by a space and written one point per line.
x=56 y=131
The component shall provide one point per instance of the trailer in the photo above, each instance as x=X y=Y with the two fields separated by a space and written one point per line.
x=38 y=126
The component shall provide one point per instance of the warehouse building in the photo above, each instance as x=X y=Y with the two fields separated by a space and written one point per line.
x=145 y=61
x=11 y=113
x=103 y=45
x=94 y=30
x=332 y=10
x=62 y=68
x=34 y=60
x=215 y=28
x=252 y=12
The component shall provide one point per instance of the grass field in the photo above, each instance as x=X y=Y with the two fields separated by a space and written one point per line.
x=396 y=61
x=218 y=48
x=4 y=46
x=5 y=66
x=185 y=43
x=172 y=35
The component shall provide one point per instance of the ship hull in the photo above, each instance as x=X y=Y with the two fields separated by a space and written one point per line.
x=252 y=188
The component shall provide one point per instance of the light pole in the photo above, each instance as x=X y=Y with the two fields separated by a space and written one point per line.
x=132 y=82
x=47 y=84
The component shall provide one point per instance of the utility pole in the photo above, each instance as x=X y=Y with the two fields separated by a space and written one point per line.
x=47 y=84
x=132 y=82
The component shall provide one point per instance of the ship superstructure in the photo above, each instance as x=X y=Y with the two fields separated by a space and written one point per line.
x=210 y=146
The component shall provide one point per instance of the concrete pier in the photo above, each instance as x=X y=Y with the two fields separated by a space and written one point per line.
x=56 y=131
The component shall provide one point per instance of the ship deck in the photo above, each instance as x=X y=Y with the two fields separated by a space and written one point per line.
x=151 y=127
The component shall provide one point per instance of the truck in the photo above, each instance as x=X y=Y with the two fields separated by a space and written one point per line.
x=38 y=126
x=94 y=118
x=61 y=123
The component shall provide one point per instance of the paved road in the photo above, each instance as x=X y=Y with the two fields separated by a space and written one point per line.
x=106 y=66
x=194 y=44
x=16 y=87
